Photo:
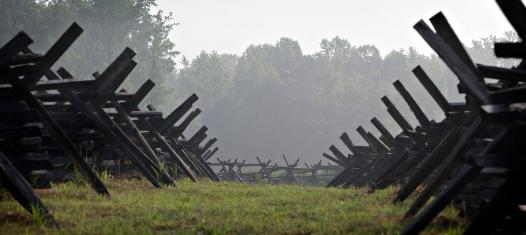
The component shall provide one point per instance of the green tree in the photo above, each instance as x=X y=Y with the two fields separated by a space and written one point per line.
x=109 y=27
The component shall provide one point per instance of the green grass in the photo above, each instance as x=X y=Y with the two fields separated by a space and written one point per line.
x=216 y=208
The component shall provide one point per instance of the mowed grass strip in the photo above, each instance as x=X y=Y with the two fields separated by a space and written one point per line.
x=216 y=208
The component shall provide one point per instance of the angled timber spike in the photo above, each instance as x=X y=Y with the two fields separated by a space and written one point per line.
x=446 y=32
x=286 y=161
x=464 y=73
x=296 y=163
x=344 y=137
x=198 y=134
x=151 y=107
x=117 y=66
x=115 y=80
x=64 y=74
x=211 y=153
x=467 y=173
x=207 y=146
x=378 y=144
x=442 y=172
x=339 y=155
x=13 y=47
x=430 y=163
x=198 y=141
x=179 y=129
x=417 y=111
x=142 y=140
x=52 y=55
x=381 y=128
x=141 y=93
x=21 y=190
x=334 y=159
x=364 y=135
x=396 y=115
x=173 y=153
x=178 y=113
x=430 y=87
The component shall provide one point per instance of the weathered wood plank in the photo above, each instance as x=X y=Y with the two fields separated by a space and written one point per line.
x=396 y=115
x=13 y=47
x=515 y=12
x=430 y=87
x=460 y=69
x=52 y=55
x=444 y=30
x=468 y=172
x=385 y=133
x=178 y=113
x=58 y=135
x=417 y=111
x=21 y=190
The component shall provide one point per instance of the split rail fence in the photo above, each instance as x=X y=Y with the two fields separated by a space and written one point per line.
x=54 y=125
x=473 y=158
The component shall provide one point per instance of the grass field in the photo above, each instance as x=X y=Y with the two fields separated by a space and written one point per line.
x=216 y=208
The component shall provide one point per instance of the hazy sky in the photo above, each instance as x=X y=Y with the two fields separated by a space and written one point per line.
x=229 y=26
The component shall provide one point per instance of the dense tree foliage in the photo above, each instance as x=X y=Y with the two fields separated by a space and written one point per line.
x=109 y=27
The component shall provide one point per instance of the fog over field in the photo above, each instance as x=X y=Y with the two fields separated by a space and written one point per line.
x=296 y=95
x=274 y=77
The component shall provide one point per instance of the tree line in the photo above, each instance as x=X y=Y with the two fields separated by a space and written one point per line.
x=271 y=99
x=274 y=99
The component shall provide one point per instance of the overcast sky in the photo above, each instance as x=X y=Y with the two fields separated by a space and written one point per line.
x=229 y=26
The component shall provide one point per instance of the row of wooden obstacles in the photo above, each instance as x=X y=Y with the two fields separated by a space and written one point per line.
x=51 y=127
x=291 y=173
x=473 y=159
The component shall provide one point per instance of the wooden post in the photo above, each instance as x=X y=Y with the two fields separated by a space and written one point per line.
x=178 y=113
x=397 y=116
x=21 y=190
x=172 y=152
x=385 y=133
x=417 y=111
x=430 y=87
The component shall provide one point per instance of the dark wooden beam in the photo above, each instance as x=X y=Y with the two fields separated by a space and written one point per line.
x=515 y=12
x=417 y=111
x=57 y=134
x=141 y=93
x=430 y=87
x=464 y=73
x=446 y=32
x=396 y=115
x=13 y=47
x=52 y=55
x=178 y=113
x=510 y=49
x=21 y=190
x=385 y=133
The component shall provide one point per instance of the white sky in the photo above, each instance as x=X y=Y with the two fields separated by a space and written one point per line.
x=229 y=26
